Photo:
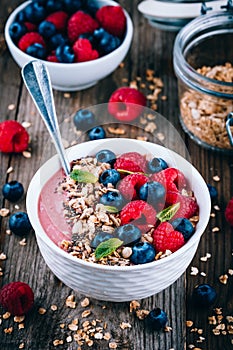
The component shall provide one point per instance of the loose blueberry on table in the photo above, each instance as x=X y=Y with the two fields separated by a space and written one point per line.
x=97 y=133
x=84 y=119
x=204 y=295
x=19 y=223
x=13 y=191
x=156 y=319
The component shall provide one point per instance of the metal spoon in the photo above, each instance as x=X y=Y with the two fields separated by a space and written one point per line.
x=36 y=78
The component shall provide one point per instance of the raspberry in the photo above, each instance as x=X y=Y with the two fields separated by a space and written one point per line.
x=130 y=103
x=30 y=38
x=80 y=23
x=166 y=238
x=131 y=161
x=31 y=27
x=59 y=19
x=171 y=178
x=52 y=58
x=112 y=19
x=188 y=205
x=13 y=137
x=138 y=213
x=17 y=298
x=130 y=184
x=229 y=212
x=83 y=51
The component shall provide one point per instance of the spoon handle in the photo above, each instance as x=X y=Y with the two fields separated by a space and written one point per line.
x=37 y=80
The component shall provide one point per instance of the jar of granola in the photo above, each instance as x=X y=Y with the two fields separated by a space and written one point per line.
x=203 y=63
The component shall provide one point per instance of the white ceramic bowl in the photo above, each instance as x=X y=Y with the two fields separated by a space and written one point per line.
x=116 y=283
x=75 y=76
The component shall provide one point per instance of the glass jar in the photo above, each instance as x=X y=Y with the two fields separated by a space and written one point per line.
x=203 y=64
x=172 y=15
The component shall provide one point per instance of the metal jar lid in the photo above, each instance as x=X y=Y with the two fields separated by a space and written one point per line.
x=174 y=14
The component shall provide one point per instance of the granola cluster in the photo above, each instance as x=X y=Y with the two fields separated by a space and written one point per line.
x=205 y=115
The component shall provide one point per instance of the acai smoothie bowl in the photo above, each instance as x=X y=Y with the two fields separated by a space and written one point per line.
x=125 y=223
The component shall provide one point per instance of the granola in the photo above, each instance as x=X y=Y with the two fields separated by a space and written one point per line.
x=89 y=215
x=204 y=115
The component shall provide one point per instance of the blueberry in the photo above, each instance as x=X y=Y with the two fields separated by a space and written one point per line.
x=37 y=50
x=17 y=30
x=204 y=295
x=184 y=226
x=106 y=156
x=88 y=36
x=35 y=12
x=157 y=319
x=153 y=192
x=97 y=133
x=156 y=164
x=13 y=191
x=112 y=198
x=129 y=234
x=99 y=238
x=65 y=54
x=57 y=40
x=213 y=192
x=46 y=29
x=142 y=253
x=106 y=41
x=91 y=7
x=54 y=5
x=84 y=119
x=110 y=176
x=19 y=223
x=72 y=6
x=21 y=16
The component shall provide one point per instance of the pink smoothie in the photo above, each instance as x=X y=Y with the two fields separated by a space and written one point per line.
x=50 y=210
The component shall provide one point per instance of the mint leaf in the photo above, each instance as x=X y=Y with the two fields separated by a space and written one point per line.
x=111 y=209
x=83 y=176
x=168 y=213
x=107 y=247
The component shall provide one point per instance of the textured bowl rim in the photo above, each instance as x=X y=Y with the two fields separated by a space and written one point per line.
x=125 y=42
x=32 y=210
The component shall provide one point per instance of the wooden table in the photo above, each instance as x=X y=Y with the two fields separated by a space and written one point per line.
x=50 y=319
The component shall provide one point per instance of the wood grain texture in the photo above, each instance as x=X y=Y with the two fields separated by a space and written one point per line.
x=151 y=49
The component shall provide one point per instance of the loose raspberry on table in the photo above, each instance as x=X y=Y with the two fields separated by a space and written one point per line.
x=80 y=23
x=112 y=19
x=126 y=103
x=59 y=19
x=30 y=38
x=138 y=213
x=130 y=184
x=166 y=238
x=131 y=161
x=83 y=51
x=17 y=298
x=13 y=137
x=229 y=212
x=171 y=178
x=188 y=205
